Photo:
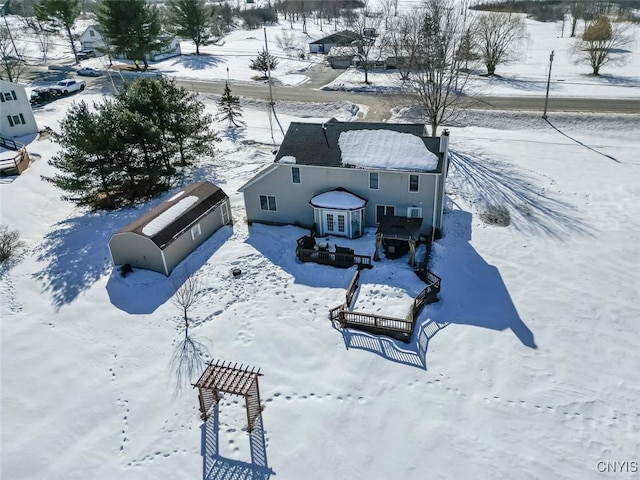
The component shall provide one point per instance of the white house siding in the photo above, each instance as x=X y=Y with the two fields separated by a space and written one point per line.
x=16 y=117
x=91 y=39
x=137 y=251
x=292 y=200
x=182 y=246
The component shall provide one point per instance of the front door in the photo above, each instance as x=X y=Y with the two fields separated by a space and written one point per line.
x=335 y=223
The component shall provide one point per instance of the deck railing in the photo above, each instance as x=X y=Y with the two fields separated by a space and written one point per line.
x=352 y=288
x=325 y=257
x=399 y=328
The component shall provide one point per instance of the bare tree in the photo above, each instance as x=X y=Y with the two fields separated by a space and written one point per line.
x=498 y=36
x=10 y=243
x=12 y=64
x=577 y=10
x=402 y=43
x=367 y=48
x=437 y=79
x=41 y=32
x=186 y=296
x=602 y=44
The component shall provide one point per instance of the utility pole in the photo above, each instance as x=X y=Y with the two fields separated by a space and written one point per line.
x=546 y=98
x=4 y=17
x=271 y=103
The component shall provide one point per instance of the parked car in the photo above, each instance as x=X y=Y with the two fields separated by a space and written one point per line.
x=68 y=86
x=86 y=53
x=89 y=72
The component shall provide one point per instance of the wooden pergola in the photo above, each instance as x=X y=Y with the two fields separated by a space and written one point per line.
x=223 y=377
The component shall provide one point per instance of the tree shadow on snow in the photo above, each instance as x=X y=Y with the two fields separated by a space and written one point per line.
x=473 y=293
x=76 y=255
x=485 y=182
x=143 y=291
x=216 y=467
x=198 y=62
x=189 y=359
x=519 y=84
x=620 y=81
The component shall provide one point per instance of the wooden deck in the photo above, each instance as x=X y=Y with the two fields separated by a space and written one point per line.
x=398 y=328
x=340 y=257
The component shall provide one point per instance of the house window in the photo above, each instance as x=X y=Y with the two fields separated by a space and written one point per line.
x=330 y=223
x=195 y=232
x=341 y=223
x=92 y=33
x=8 y=96
x=268 y=203
x=414 y=183
x=373 y=180
x=295 y=174
x=16 y=120
x=414 y=212
x=382 y=210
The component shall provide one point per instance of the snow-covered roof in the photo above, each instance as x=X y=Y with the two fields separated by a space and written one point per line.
x=380 y=145
x=168 y=220
x=288 y=159
x=168 y=216
x=338 y=199
x=386 y=150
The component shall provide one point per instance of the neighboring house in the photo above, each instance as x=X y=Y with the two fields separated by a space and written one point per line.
x=338 y=39
x=16 y=117
x=167 y=234
x=345 y=176
x=92 y=39
x=341 y=57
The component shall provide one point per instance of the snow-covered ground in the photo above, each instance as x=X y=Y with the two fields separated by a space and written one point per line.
x=525 y=368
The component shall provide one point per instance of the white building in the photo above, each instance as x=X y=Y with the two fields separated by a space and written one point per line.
x=92 y=39
x=16 y=117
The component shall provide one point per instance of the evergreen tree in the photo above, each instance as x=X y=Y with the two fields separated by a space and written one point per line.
x=179 y=115
x=264 y=62
x=132 y=28
x=128 y=149
x=229 y=108
x=194 y=20
x=60 y=15
x=88 y=171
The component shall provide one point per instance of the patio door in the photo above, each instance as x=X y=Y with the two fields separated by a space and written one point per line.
x=335 y=223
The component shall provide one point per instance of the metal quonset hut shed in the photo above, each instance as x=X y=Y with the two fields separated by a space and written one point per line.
x=167 y=234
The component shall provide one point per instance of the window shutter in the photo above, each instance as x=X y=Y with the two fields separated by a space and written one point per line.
x=22 y=119
x=1 y=97
x=13 y=94
x=10 y=120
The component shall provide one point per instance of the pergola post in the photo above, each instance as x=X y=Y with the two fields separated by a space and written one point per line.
x=376 y=255
x=221 y=377
x=412 y=248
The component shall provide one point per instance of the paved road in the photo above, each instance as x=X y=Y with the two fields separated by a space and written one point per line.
x=379 y=105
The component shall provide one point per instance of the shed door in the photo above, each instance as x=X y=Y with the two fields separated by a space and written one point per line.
x=225 y=213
